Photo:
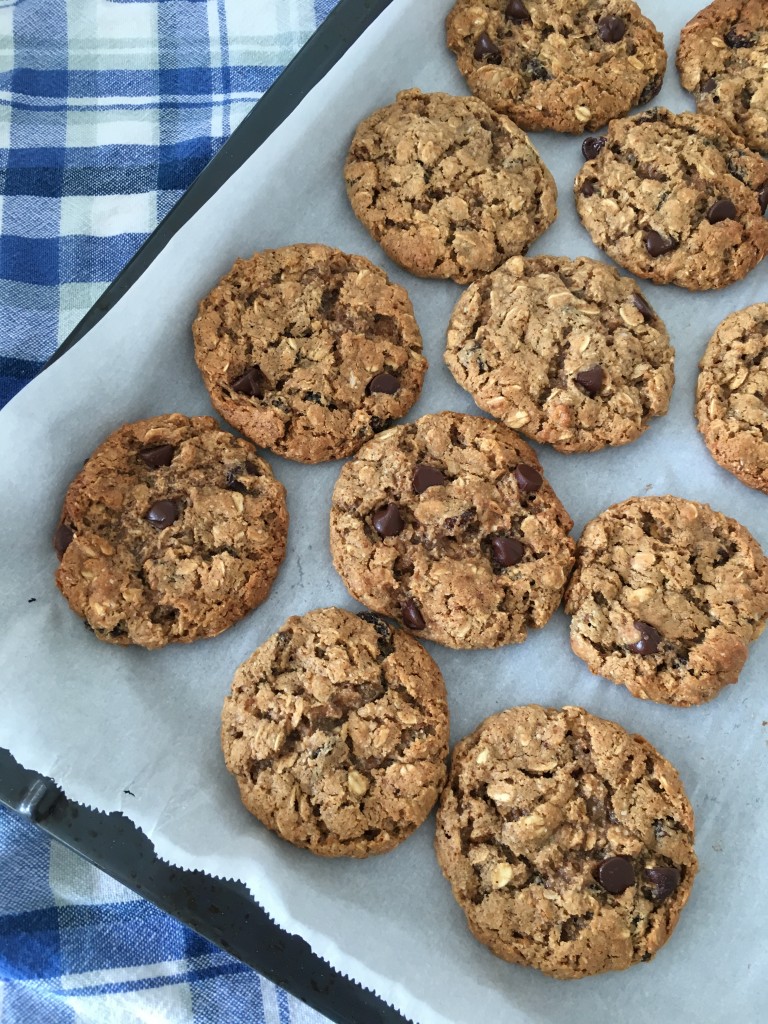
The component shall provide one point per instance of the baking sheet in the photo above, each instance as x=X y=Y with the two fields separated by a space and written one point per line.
x=137 y=731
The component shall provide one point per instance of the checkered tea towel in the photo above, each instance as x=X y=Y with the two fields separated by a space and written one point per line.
x=78 y=948
x=108 y=111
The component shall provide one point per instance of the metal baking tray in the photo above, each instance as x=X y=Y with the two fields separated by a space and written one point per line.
x=221 y=911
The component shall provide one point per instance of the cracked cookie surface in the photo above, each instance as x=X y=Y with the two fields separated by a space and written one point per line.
x=448 y=526
x=173 y=531
x=336 y=730
x=446 y=186
x=309 y=351
x=567 y=841
x=566 y=351
x=732 y=392
x=675 y=198
x=571 y=67
x=723 y=61
x=665 y=597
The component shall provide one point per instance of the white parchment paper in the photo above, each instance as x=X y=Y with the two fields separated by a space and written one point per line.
x=136 y=731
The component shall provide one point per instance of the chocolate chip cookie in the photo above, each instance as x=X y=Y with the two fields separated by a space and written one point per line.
x=336 y=730
x=723 y=61
x=309 y=351
x=448 y=525
x=173 y=531
x=571 y=67
x=567 y=841
x=665 y=597
x=446 y=186
x=676 y=198
x=731 y=395
x=566 y=351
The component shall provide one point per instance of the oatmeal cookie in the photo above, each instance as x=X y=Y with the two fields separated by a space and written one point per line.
x=309 y=351
x=723 y=61
x=571 y=67
x=567 y=841
x=731 y=395
x=446 y=186
x=173 y=530
x=665 y=598
x=565 y=350
x=336 y=730
x=675 y=198
x=448 y=525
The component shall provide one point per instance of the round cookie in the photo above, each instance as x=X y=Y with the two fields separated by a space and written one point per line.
x=723 y=61
x=447 y=525
x=675 y=198
x=567 y=841
x=565 y=350
x=309 y=351
x=446 y=186
x=731 y=395
x=571 y=67
x=665 y=596
x=173 y=531
x=336 y=730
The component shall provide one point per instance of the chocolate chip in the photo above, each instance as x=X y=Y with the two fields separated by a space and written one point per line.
x=658 y=245
x=649 y=639
x=506 y=551
x=467 y=517
x=376 y=621
x=648 y=172
x=662 y=881
x=284 y=638
x=642 y=306
x=591 y=381
x=162 y=613
x=486 y=50
x=62 y=539
x=611 y=29
x=387 y=520
x=528 y=479
x=707 y=85
x=411 y=614
x=535 y=69
x=723 y=209
x=650 y=91
x=737 y=42
x=615 y=874
x=328 y=301
x=251 y=383
x=157 y=456
x=384 y=383
x=378 y=424
x=233 y=484
x=591 y=147
x=383 y=632
x=162 y=514
x=588 y=187
x=762 y=198
x=426 y=476
x=517 y=12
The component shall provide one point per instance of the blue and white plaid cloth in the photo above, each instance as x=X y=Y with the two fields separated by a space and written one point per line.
x=75 y=946
x=108 y=111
